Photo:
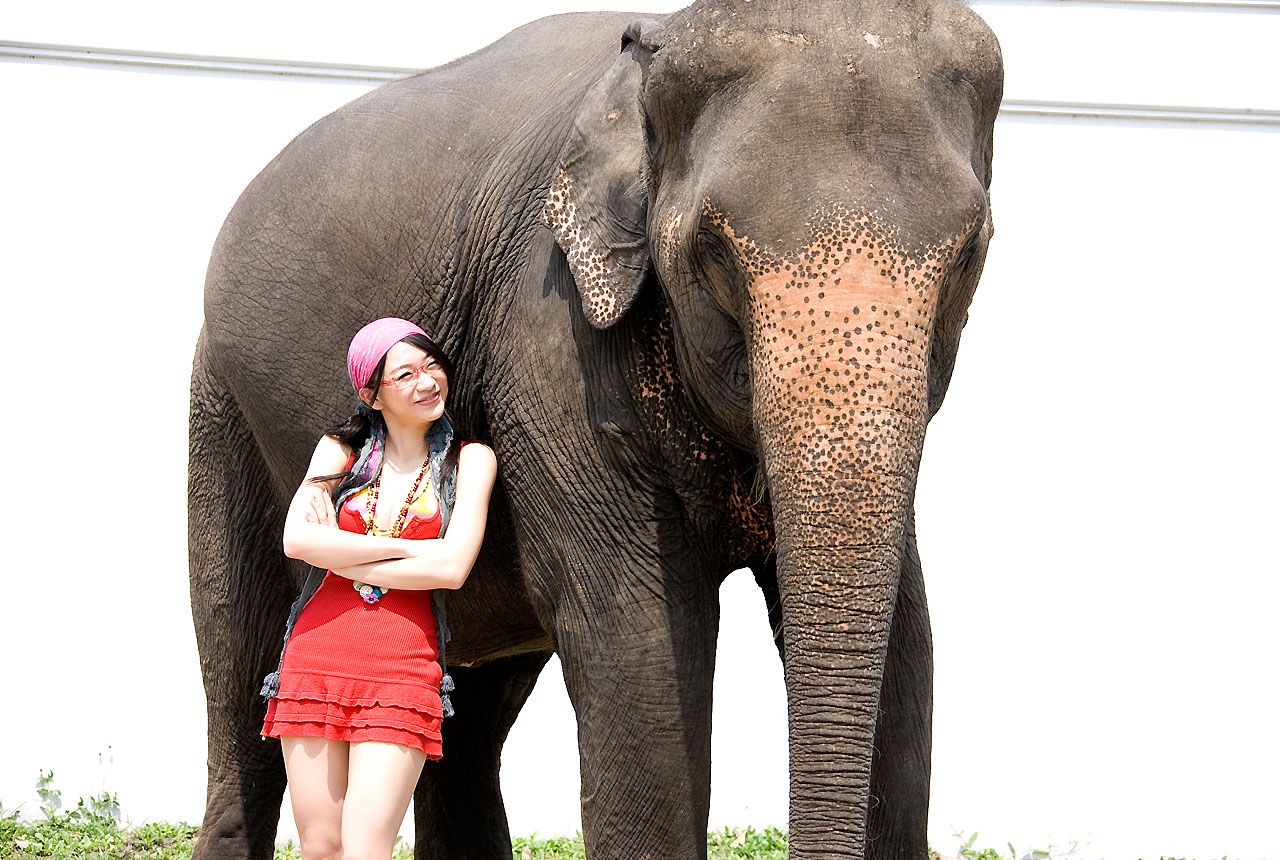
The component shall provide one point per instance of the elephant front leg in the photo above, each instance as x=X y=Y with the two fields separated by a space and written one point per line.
x=240 y=595
x=637 y=641
x=458 y=810
x=898 y=811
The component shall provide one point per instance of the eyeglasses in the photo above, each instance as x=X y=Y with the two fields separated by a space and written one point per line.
x=407 y=378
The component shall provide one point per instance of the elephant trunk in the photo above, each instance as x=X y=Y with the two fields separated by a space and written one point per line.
x=840 y=536
x=839 y=348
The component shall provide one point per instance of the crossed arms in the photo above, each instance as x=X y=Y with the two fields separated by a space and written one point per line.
x=311 y=533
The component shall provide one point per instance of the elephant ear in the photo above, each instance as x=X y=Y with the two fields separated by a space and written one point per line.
x=598 y=203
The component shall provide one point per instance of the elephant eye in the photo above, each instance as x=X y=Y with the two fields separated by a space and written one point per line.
x=718 y=270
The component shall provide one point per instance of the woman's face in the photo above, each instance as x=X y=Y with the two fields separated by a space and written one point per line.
x=413 y=386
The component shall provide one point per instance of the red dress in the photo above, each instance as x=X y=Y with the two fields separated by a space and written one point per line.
x=355 y=671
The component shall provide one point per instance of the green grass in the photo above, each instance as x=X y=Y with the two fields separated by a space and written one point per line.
x=748 y=844
x=90 y=832
x=90 y=837
x=84 y=835
x=97 y=837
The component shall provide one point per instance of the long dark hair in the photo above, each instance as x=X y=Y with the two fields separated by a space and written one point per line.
x=354 y=431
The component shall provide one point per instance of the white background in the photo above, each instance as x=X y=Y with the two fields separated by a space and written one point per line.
x=1095 y=505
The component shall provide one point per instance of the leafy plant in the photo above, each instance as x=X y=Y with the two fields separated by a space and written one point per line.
x=967 y=851
x=556 y=848
x=90 y=830
x=288 y=851
x=50 y=797
x=747 y=844
x=103 y=806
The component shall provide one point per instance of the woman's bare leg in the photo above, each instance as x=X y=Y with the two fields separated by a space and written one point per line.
x=317 y=770
x=380 y=783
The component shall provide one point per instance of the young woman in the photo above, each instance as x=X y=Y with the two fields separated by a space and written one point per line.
x=357 y=700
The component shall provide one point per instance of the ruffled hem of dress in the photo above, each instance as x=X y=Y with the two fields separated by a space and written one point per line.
x=277 y=728
x=356 y=716
x=349 y=691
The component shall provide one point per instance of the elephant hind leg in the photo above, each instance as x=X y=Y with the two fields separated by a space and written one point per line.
x=897 y=817
x=240 y=595
x=458 y=809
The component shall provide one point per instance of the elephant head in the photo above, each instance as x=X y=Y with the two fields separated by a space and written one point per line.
x=809 y=184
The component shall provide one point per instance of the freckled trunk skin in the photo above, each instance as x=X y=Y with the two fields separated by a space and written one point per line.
x=839 y=347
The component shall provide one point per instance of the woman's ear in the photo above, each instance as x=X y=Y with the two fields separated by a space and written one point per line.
x=599 y=200
x=369 y=398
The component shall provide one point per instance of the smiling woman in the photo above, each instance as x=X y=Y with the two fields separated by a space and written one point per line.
x=360 y=692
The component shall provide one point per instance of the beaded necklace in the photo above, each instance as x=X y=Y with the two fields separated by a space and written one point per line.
x=414 y=492
x=371 y=593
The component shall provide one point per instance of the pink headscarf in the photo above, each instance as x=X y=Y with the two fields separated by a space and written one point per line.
x=372 y=342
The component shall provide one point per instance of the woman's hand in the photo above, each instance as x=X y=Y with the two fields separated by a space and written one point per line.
x=318 y=504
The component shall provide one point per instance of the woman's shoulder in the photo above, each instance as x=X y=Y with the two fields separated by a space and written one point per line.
x=475 y=451
x=331 y=455
x=334 y=444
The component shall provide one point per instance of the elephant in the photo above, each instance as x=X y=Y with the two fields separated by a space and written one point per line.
x=703 y=276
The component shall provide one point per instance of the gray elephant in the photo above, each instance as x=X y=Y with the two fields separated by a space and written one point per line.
x=703 y=277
